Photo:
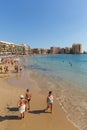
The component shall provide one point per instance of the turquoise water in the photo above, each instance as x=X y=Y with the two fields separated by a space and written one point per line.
x=66 y=76
x=71 y=68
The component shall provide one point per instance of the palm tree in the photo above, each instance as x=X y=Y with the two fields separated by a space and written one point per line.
x=4 y=46
x=0 y=48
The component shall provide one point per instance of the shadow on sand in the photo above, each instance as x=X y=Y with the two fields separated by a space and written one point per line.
x=38 y=111
x=12 y=108
x=9 y=117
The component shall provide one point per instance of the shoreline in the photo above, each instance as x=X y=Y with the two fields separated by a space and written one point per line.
x=10 y=92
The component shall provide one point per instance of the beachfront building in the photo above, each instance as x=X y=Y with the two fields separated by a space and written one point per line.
x=6 y=48
x=77 y=48
x=11 y=48
x=54 y=50
x=25 y=49
x=48 y=51
x=62 y=50
x=36 y=51
x=39 y=51
x=21 y=49
x=43 y=51
x=67 y=50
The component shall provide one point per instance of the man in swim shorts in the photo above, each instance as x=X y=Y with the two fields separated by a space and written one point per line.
x=28 y=98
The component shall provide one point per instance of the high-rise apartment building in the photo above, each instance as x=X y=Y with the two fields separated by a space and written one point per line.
x=77 y=48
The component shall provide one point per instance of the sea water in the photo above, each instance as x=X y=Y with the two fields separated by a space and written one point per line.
x=66 y=76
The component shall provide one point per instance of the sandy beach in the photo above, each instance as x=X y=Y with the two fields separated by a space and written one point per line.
x=36 y=118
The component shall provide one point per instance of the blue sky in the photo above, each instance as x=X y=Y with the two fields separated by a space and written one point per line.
x=44 y=23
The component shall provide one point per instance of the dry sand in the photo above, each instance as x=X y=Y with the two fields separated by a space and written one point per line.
x=35 y=119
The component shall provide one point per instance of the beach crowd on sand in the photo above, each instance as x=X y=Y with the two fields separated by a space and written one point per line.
x=9 y=65
x=27 y=108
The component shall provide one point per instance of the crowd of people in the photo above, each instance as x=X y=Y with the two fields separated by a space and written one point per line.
x=9 y=62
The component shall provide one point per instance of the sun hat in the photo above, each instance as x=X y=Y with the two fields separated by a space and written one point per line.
x=21 y=96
